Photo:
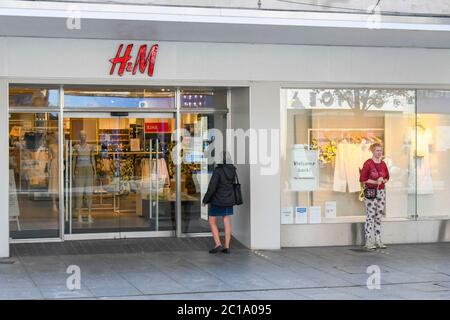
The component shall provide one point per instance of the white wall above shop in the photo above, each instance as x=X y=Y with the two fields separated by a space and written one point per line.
x=162 y=23
x=88 y=60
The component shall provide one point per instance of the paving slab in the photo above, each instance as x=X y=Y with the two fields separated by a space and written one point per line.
x=151 y=269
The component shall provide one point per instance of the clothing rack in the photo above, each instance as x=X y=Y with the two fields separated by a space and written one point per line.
x=345 y=129
x=133 y=152
x=310 y=130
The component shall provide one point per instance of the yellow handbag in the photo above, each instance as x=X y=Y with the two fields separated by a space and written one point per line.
x=361 y=193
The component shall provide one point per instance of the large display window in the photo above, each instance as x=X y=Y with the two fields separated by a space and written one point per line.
x=33 y=175
x=433 y=154
x=326 y=135
x=90 y=160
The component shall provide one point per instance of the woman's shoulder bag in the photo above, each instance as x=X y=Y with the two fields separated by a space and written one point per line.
x=237 y=191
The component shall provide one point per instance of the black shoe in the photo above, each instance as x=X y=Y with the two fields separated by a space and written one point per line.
x=226 y=250
x=216 y=249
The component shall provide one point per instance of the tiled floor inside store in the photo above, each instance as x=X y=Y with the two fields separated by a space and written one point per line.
x=172 y=268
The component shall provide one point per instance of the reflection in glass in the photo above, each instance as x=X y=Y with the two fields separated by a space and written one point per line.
x=204 y=133
x=334 y=128
x=33 y=175
x=143 y=98
x=33 y=96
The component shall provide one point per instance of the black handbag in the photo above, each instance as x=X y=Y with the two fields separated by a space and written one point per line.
x=237 y=191
x=370 y=193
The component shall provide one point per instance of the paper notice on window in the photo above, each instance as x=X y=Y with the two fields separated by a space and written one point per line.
x=304 y=169
x=301 y=215
x=330 y=209
x=315 y=214
x=287 y=215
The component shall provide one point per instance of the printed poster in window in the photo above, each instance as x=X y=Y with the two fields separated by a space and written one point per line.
x=135 y=145
x=330 y=209
x=304 y=169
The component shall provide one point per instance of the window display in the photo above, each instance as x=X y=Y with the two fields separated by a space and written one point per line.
x=119 y=174
x=34 y=175
x=433 y=154
x=341 y=124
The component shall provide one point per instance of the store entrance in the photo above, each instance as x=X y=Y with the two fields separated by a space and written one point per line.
x=119 y=176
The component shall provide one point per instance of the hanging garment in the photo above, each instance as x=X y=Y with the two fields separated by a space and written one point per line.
x=159 y=171
x=347 y=164
x=420 y=165
x=53 y=170
x=37 y=172
x=159 y=175
x=145 y=170
x=365 y=152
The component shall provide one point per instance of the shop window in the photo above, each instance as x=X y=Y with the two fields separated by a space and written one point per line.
x=110 y=97
x=33 y=175
x=33 y=96
x=204 y=134
x=119 y=174
x=433 y=153
x=326 y=135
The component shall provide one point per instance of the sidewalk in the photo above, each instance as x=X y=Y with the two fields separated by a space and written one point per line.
x=183 y=269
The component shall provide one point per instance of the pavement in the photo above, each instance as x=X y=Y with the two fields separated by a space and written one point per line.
x=182 y=269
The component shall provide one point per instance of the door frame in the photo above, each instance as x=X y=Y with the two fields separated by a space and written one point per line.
x=79 y=114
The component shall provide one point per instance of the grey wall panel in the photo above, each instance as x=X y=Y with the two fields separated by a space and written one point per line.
x=265 y=185
x=240 y=119
x=4 y=166
x=88 y=60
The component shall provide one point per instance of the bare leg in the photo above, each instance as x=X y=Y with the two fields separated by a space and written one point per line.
x=214 y=230
x=90 y=219
x=227 y=224
x=55 y=207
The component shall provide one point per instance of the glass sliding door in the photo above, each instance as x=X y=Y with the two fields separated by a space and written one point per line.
x=119 y=176
x=148 y=174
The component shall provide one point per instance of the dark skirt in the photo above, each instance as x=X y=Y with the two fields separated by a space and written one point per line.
x=216 y=211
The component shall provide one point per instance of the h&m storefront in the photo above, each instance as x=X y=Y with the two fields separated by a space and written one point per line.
x=90 y=145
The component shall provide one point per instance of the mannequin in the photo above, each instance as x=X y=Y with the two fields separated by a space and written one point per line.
x=53 y=170
x=84 y=173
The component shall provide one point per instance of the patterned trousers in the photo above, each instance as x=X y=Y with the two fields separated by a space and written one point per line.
x=374 y=212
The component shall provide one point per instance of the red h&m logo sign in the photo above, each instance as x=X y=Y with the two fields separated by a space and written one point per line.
x=143 y=60
x=157 y=127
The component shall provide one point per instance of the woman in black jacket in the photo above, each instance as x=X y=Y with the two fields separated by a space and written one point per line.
x=220 y=196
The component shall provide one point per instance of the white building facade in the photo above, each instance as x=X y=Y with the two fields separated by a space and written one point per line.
x=89 y=146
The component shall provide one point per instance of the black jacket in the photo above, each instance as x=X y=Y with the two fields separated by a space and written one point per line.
x=220 y=189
